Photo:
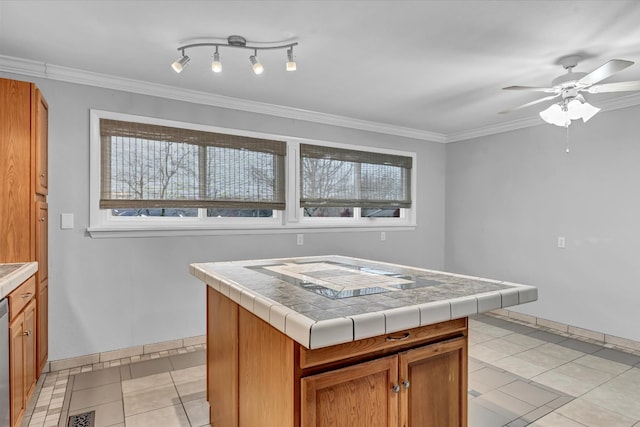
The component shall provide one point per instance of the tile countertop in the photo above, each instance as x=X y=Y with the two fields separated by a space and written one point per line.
x=12 y=275
x=326 y=300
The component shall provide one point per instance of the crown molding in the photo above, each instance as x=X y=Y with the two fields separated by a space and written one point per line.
x=71 y=75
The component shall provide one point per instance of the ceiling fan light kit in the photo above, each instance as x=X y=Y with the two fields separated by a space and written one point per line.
x=573 y=105
x=235 y=42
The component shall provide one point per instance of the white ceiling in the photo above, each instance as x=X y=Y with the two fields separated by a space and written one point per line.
x=436 y=67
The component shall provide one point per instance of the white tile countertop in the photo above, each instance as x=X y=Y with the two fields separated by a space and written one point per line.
x=326 y=300
x=12 y=275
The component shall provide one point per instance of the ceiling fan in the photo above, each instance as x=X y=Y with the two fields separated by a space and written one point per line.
x=568 y=88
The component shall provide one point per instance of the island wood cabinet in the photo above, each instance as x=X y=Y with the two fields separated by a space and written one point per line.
x=258 y=376
x=23 y=204
x=22 y=347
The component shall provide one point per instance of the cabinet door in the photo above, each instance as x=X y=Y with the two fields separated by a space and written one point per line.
x=42 y=240
x=434 y=385
x=42 y=308
x=29 y=348
x=16 y=368
x=360 y=395
x=41 y=135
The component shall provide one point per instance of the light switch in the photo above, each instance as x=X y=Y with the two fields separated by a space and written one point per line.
x=66 y=221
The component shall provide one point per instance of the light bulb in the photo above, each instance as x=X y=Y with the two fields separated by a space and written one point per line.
x=256 y=65
x=179 y=65
x=216 y=65
x=291 y=64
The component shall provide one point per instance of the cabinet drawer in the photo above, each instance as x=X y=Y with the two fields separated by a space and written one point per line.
x=383 y=343
x=21 y=296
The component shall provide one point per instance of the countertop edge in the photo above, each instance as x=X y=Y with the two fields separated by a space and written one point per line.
x=12 y=280
x=314 y=334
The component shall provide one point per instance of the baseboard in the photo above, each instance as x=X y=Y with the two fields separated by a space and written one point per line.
x=594 y=336
x=130 y=352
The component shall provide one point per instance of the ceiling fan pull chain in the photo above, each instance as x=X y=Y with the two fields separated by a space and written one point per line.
x=567 y=140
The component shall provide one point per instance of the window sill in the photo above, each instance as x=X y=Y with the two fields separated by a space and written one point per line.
x=107 y=232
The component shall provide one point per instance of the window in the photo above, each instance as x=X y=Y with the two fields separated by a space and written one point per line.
x=160 y=177
x=338 y=182
x=158 y=167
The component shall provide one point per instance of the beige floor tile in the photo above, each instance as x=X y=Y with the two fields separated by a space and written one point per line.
x=95 y=396
x=192 y=390
x=189 y=374
x=503 y=403
x=493 y=331
x=569 y=385
x=505 y=347
x=150 y=399
x=555 y=420
x=601 y=364
x=139 y=384
x=96 y=378
x=583 y=373
x=593 y=415
x=476 y=337
x=524 y=340
x=519 y=367
x=559 y=352
x=540 y=359
x=485 y=354
x=169 y=416
x=197 y=412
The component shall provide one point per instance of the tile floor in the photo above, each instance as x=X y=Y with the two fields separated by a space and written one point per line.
x=518 y=376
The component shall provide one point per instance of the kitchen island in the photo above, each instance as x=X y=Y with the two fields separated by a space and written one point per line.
x=339 y=341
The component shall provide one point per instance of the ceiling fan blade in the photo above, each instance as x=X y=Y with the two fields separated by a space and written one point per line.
x=604 y=71
x=528 y=104
x=532 y=88
x=615 y=87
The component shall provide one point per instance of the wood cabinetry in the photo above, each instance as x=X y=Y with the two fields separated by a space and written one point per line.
x=258 y=376
x=22 y=347
x=23 y=200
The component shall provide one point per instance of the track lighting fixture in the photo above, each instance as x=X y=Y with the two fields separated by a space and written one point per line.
x=179 y=65
x=291 y=64
x=255 y=64
x=216 y=65
x=237 y=42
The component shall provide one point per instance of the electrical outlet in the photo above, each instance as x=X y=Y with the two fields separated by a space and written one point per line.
x=300 y=239
x=561 y=242
x=383 y=236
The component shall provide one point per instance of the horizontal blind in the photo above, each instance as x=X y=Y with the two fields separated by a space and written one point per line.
x=152 y=166
x=342 y=177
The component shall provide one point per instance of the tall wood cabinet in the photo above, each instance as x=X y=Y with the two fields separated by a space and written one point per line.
x=257 y=376
x=24 y=185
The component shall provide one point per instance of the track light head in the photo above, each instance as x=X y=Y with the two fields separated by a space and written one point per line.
x=291 y=64
x=255 y=64
x=216 y=65
x=179 y=65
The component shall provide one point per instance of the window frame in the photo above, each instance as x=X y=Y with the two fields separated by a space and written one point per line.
x=103 y=224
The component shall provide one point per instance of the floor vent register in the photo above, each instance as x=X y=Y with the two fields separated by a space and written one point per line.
x=86 y=419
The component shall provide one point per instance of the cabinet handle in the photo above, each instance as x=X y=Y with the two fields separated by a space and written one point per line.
x=406 y=384
x=395 y=388
x=41 y=175
x=27 y=295
x=401 y=338
x=27 y=332
x=41 y=219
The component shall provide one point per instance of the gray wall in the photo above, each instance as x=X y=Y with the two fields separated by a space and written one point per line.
x=510 y=196
x=107 y=294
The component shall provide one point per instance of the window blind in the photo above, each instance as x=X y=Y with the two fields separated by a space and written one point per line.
x=152 y=166
x=342 y=177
